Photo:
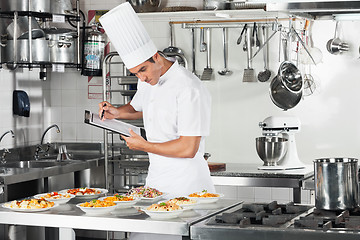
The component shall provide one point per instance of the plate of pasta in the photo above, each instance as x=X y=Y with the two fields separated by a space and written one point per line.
x=163 y=210
x=85 y=193
x=30 y=205
x=55 y=197
x=184 y=202
x=121 y=201
x=146 y=193
x=97 y=207
x=206 y=197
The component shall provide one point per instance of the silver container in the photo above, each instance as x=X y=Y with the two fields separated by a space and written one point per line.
x=22 y=29
x=145 y=5
x=40 y=51
x=62 y=45
x=271 y=149
x=62 y=7
x=336 y=183
x=23 y=5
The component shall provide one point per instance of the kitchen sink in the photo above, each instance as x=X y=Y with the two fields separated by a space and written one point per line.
x=36 y=164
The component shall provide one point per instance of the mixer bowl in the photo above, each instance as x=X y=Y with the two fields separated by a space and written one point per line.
x=271 y=149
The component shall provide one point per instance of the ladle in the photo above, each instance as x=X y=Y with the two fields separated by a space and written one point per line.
x=225 y=71
x=173 y=51
x=264 y=75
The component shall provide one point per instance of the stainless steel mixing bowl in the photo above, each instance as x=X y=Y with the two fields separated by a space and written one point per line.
x=271 y=149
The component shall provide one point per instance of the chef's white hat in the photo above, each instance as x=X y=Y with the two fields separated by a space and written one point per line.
x=128 y=35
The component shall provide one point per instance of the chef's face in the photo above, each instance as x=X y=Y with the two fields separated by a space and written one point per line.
x=148 y=71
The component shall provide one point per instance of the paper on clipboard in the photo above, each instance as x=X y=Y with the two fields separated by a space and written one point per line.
x=113 y=125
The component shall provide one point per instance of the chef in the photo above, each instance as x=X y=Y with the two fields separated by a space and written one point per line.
x=175 y=107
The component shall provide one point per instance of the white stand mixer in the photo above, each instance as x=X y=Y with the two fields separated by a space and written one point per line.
x=287 y=126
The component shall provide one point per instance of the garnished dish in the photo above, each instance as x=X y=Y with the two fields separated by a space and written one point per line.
x=30 y=205
x=163 y=210
x=206 y=197
x=97 y=206
x=85 y=192
x=184 y=202
x=164 y=207
x=122 y=201
x=55 y=197
x=146 y=193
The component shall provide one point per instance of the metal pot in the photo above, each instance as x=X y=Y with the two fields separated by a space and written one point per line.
x=145 y=5
x=281 y=96
x=62 y=7
x=219 y=5
x=336 y=183
x=23 y=5
x=22 y=29
x=62 y=45
x=40 y=51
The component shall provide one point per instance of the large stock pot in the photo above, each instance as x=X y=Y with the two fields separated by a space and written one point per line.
x=40 y=51
x=336 y=183
x=25 y=5
x=62 y=45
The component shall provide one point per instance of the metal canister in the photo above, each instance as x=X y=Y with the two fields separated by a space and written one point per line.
x=336 y=183
x=94 y=46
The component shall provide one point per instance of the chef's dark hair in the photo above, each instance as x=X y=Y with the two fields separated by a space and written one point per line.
x=151 y=58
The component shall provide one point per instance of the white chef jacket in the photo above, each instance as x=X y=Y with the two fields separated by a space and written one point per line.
x=178 y=105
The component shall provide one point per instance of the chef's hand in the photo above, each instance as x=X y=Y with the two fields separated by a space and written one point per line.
x=135 y=142
x=107 y=111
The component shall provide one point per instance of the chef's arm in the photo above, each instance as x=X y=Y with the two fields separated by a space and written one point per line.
x=123 y=112
x=183 y=147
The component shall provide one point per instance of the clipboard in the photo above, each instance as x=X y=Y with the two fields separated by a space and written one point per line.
x=113 y=125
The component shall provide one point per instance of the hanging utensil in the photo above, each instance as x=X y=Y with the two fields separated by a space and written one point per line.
x=193 y=51
x=173 y=51
x=225 y=71
x=249 y=72
x=203 y=45
x=207 y=73
x=335 y=45
x=241 y=34
x=264 y=75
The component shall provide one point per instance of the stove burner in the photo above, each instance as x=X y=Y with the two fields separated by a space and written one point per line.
x=255 y=214
x=325 y=220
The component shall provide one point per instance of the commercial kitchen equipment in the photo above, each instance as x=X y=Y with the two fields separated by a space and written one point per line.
x=285 y=126
x=126 y=171
x=251 y=221
x=125 y=220
x=336 y=183
x=248 y=175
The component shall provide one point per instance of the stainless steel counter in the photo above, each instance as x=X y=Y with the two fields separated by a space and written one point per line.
x=126 y=220
x=16 y=175
x=248 y=175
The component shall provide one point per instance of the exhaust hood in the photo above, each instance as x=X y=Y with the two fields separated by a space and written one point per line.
x=315 y=8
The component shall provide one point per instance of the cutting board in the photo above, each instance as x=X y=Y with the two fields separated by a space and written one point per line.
x=216 y=167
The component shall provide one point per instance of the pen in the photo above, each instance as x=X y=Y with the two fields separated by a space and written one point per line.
x=103 y=111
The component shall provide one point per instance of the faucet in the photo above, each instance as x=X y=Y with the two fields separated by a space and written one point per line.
x=43 y=136
x=39 y=148
x=2 y=159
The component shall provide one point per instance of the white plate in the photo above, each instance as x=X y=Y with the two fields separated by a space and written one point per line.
x=163 y=215
x=189 y=205
x=62 y=200
x=29 y=210
x=123 y=204
x=153 y=199
x=207 y=199
x=96 y=210
x=89 y=196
